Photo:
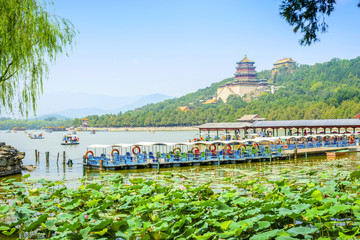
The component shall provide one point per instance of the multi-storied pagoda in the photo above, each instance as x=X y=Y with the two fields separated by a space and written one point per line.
x=245 y=82
x=245 y=72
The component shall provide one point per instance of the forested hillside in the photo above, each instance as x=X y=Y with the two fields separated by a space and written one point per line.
x=327 y=90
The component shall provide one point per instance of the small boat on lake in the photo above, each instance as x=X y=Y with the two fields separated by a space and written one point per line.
x=92 y=132
x=36 y=136
x=70 y=139
x=337 y=153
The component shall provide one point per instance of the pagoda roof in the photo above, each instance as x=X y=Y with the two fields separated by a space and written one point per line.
x=246 y=60
x=210 y=101
x=284 y=60
x=184 y=108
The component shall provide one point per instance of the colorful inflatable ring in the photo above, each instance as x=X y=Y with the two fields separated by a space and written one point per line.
x=114 y=150
x=223 y=138
x=177 y=149
x=212 y=149
x=133 y=150
x=256 y=145
x=194 y=148
x=86 y=154
x=228 y=147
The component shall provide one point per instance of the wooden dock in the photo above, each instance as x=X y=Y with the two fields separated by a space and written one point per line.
x=286 y=154
x=320 y=150
x=214 y=161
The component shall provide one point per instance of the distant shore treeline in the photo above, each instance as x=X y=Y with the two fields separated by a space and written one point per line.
x=321 y=91
x=7 y=123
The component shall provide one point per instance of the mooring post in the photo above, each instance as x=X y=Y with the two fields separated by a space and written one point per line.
x=270 y=156
x=101 y=163
x=47 y=154
x=36 y=156
x=295 y=153
x=64 y=157
x=218 y=161
x=158 y=165
x=57 y=160
x=306 y=156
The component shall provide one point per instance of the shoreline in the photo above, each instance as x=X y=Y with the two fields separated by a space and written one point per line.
x=141 y=129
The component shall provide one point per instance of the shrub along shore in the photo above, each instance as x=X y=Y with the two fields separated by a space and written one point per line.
x=169 y=206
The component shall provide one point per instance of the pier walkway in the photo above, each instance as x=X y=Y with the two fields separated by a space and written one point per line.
x=274 y=156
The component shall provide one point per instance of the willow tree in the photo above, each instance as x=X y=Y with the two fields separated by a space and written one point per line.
x=31 y=36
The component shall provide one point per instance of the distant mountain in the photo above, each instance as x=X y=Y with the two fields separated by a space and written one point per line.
x=153 y=98
x=48 y=116
x=87 y=104
x=80 y=112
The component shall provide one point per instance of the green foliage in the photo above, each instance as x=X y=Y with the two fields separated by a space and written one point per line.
x=30 y=37
x=323 y=91
x=164 y=207
x=6 y=123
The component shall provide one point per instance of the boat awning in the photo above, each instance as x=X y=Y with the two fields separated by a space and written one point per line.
x=224 y=126
x=99 y=146
x=321 y=123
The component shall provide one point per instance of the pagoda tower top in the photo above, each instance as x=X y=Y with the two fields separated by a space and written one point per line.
x=245 y=60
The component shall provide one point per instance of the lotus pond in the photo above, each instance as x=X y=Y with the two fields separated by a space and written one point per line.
x=315 y=199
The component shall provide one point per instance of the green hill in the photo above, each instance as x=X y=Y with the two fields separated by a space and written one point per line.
x=321 y=91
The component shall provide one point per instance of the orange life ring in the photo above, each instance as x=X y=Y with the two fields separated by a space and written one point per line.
x=212 y=149
x=114 y=150
x=242 y=146
x=133 y=150
x=256 y=145
x=177 y=149
x=86 y=154
x=196 y=150
x=227 y=147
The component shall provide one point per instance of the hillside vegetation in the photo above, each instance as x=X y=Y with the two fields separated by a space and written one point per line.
x=322 y=91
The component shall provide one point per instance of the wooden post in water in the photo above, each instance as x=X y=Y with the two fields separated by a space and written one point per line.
x=47 y=154
x=295 y=153
x=101 y=163
x=64 y=157
x=306 y=156
x=158 y=165
x=57 y=160
x=218 y=161
x=36 y=156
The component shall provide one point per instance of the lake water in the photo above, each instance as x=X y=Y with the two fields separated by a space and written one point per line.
x=51 y=144
x=57 y=171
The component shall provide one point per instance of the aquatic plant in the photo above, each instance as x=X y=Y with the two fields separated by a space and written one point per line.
x=170 y=206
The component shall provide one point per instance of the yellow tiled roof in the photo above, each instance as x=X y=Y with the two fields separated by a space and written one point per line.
x=184 y=108
x=284 y=60
x=210 y=101
x=246 y=59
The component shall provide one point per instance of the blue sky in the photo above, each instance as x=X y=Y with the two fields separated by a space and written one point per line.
x=133 y=47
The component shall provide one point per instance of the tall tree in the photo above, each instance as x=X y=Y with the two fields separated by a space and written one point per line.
x=308 y=16
x=30 y=39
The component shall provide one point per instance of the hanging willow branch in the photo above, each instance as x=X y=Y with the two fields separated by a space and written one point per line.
x=30 y=38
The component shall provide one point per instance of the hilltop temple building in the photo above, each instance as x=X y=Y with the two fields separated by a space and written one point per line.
x=283 y=63
x=245 y=82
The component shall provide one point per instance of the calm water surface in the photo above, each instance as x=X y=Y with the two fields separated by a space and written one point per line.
x=57 y=171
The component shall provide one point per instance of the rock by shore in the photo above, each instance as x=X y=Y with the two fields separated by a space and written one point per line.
x=10 y=160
